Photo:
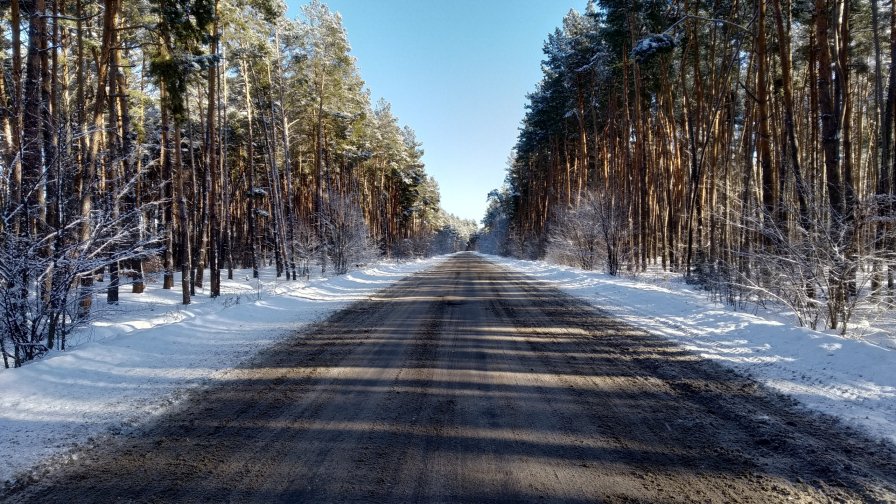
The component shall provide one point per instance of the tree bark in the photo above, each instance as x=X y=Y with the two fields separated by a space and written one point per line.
x=212 y=165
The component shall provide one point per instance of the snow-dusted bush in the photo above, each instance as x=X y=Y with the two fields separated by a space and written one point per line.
x=822 y=274
x=39 y=271
x=346 y=235
x=307 y=245
x=590 y=234
x=574 y=238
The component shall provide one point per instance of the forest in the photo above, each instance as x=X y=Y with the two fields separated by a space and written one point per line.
x=159 y=137
x=748 y=146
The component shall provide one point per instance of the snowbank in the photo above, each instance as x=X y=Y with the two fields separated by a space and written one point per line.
x=138 y=358
x=848 y=378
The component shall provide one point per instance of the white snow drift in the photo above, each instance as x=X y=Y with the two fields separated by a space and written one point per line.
x=849 y=378
x=138 y=358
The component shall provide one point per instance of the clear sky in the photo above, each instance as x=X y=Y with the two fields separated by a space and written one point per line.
x=457 y=72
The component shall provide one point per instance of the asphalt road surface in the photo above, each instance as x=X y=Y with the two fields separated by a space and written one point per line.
x=471 y=383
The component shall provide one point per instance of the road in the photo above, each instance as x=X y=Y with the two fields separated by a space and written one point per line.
x=472 y=383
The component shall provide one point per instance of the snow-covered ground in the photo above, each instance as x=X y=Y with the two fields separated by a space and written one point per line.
x=854 y=379
x=139 y=357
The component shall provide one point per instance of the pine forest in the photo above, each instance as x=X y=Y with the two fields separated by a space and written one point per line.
x=192 y=137
x=425 y=251
x=747 y=145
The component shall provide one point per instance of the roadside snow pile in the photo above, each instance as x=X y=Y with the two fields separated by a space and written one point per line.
x=137 y=358
x=848 y=378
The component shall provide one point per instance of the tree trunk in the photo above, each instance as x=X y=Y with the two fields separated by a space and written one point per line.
x=212 y=165
x=183 y=216
x=250 y=168
x=168 y=176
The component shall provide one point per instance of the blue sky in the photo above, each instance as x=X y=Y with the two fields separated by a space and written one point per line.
x=457 y=72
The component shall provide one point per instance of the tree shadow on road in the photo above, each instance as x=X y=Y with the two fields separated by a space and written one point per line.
x=468 y=383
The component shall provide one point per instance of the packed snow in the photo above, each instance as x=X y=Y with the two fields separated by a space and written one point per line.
x=138 y=358
x=854 y=379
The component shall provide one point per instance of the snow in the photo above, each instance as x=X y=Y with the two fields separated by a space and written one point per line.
x=853 y=379
x=138 y=358
x=652 y=44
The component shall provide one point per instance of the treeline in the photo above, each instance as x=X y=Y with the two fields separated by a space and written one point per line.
x=748 y=145
x=187 y=136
